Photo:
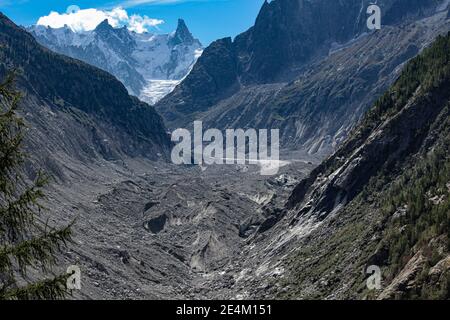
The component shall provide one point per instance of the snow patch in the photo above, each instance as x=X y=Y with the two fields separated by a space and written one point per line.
x=155 y=90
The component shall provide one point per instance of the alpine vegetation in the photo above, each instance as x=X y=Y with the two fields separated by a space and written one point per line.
x=26 y=240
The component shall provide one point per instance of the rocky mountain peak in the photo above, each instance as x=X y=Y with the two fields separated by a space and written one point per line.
x=60 y=81
x=182 y=34
x=149 y=65
x=104 y=26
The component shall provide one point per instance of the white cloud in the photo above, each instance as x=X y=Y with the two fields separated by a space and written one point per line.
x=89 y=19
x=140 y=24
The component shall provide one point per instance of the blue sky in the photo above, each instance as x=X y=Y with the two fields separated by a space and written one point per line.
x=208 y=20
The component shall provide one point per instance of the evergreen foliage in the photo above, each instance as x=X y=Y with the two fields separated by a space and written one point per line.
x=402 y=208
x=26 y=240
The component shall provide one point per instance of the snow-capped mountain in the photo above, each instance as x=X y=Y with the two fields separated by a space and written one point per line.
x=149 y=65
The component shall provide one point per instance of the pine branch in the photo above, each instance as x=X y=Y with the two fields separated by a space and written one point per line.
x=6 y=87
x=38 y=252
x=52 y=289
x=10 y=158
x=19 y=215
x=11 y=134
x=25 y=241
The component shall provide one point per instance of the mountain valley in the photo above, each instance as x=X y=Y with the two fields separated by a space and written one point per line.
x=364 y=132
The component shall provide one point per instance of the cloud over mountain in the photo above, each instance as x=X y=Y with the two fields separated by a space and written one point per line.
x=88 y=19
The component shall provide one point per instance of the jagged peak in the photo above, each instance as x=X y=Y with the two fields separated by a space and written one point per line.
x=182 y=34
x=104 y=25
x=182 y=25
x=264 y=8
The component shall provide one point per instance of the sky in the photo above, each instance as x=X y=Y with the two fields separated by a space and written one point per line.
x=208 y=20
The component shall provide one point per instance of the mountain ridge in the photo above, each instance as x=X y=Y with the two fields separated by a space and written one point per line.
x=407 y=132
x=334 y=89
x=135 y=59
x=70 y=84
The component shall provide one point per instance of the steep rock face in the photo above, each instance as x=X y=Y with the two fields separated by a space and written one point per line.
x=213 y=76
x=362 y=156
x=84 y=93
x=316 y=111
x=289 y=33
x=182 y=35
x=135 y=59
x=382 y=199
x=310 y=51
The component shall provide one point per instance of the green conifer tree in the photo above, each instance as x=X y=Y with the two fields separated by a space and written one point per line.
x=26 y=240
